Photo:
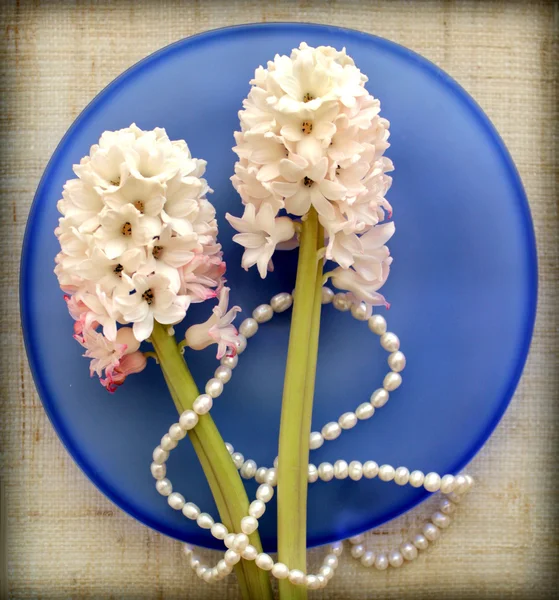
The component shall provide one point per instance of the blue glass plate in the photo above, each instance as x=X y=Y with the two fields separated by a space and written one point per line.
x=463 y=290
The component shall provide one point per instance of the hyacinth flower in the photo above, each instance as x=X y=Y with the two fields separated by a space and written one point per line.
x=138 y=243
x=311 y=173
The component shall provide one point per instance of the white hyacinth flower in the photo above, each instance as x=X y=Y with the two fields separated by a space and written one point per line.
x=312 y=136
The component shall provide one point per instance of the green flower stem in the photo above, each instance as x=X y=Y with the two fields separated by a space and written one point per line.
x=296 y=408
x=225 y=482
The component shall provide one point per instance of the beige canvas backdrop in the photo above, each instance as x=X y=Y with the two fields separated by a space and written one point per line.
x=63 y=538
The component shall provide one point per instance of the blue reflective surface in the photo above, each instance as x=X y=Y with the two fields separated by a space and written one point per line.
x=462 y=289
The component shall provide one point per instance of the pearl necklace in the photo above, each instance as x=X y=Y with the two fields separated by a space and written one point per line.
x=453 y=488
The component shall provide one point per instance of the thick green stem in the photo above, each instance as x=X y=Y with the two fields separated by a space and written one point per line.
x=296 y=411
x=226 y=485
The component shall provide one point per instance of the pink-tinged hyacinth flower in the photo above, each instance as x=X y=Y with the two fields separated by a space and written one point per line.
x=218 y=329
x=138 y=244
x=106 y=355
x=129 y=364
x=202 y=277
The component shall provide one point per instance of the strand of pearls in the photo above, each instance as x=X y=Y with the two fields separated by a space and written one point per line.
x=237 y=545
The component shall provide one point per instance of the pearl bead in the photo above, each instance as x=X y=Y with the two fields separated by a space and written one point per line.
x=208 y=575
x=312 y=582
x=470 y=480
x=330 y=560
x=265 y=492
x=386 y=473
x=164 y=487
x=377 y=324
x=188 y=420
x=379 y=397
x=381 y=562
x=368 y=559
x=355 y=470
x=223 y=568
x=176 y=432
x=454 y=497
x=201 y=571
x=397 y=361
x=176 y=501
x=409 y=551
x=431 y=532
x=240 y=542
x=321 y=580
x=204 y=521
x=262 y=313
x=257 y=508
x=440 y=520
x=312 y=473
x=190 y=511
x=327 y=295
x=230 y=361
x=337 y=548
x=392 y=381
x=315 y=440
x=340 y=469
x=327 y=572
x=447 y=507
x=264 y=561
x=347 y=420
x=229 y=540
x=281 y=302
x=370 y=469
x=357 y=551
x=249 y=525
x=432 y=482
x=241 y=343
x=296 y=577
x=248 y=470
x=168 y=443
x=402 y=476
x=364 y=411
x=341 y=302
x=194 y=562
x=158 y=471
x=223 y=374
x=360 y=311
x=249 y=553
x=260 y=476
x=159 y=455
x=416 y=479
x=326 y=471
x=395 y=558
x=276 y=462
x=219 y=531
x=390 y=342
x=238 y=459
x=232 y=557
x=357 y=539
x=331 y=431
x=203 y=403
x=248 y=327
x=187 y=549
x=229 y=447
x=272 y=476
x=447 y=484
x=420 y=541
x=280 y=571
x=214 y=387
x=461 y=484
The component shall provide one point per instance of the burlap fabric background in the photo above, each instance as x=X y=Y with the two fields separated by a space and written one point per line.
x=63 y=538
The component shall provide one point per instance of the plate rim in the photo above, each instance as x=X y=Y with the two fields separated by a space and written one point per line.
x=150 y=60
